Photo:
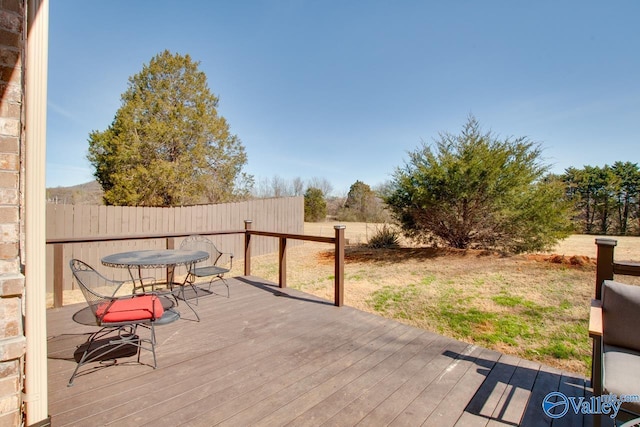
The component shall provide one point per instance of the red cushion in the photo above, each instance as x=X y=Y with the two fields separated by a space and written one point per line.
x=130 y=309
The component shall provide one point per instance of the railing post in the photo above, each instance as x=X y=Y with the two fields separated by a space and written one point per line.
x=58 y=275
x=604 y=263
x=247 y=247
x=282 y=275
x=339 y=261
x=171 y=243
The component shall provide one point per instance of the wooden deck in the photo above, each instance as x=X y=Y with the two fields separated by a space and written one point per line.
x=267 y=356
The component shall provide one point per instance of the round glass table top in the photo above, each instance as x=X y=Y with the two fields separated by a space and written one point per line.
x=154 y=258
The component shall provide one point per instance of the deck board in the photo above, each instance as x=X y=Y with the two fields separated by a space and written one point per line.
x=449 y=411
x=421 y=408
x=269 y=356
x=484 y=404
x=516 y=395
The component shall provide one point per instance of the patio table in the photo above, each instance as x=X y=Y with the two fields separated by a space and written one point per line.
x=148 y=259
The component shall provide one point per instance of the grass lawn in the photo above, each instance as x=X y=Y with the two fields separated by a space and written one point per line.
x=532 y=306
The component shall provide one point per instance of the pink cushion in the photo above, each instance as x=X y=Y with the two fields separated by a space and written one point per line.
x=130 y=309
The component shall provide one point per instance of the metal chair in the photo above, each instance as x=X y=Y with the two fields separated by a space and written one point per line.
x=119 y=315
x=218 y=264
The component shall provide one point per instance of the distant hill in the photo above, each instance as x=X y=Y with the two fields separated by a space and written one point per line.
x=89 y=193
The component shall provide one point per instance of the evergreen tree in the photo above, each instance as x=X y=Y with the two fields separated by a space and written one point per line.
x=606 y=198
x=361 y=204
x=627 y=193
x=167 y=145
x=473 y=190
x=315 y=206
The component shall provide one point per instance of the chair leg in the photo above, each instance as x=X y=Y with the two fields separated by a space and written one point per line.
x=141 y=341
x=186 y=301
x=194 y=310
x=195 y=291
x=153 y=345
x=126 y=336
x=83 y=358
x=223 y=281
x=191 y=280
x=226 y=284
x=596 y=367
x=596 y=375
x=192 y=283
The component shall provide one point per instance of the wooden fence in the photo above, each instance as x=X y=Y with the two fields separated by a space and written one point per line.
x=284 y=215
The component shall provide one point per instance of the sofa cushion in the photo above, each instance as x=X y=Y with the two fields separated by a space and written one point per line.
x=621 y=374
x=621 y=315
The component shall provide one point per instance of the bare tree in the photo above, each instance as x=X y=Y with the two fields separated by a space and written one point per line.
x=276 y=186
x=321 y=183
x=279 y=187
x=298 y=186
x=262 y=189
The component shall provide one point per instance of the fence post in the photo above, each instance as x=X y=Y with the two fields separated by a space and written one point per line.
x=247 y=247
x=339 y=261
x=58 y=275
x=171 y=243
x=604 y=263
x=282 y=275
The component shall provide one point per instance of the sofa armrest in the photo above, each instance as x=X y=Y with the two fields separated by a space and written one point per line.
x=595 y=319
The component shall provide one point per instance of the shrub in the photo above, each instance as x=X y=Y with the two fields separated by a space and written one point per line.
x=474 y=190
x=384 y=238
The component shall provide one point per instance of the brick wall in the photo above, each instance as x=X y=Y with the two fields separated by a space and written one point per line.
x=12 y=340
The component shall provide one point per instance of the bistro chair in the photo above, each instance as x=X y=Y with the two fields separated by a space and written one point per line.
x=216 y=266
x=119 y=314
x=613 y=324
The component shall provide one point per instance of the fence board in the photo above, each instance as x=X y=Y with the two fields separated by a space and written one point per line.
x=284 y=215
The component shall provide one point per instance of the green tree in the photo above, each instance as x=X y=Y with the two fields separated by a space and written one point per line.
x=573 y=179
x=315 y=206
x=361 y=203
x=627 y=193
x=591 y=190
x=604 y=197
x=167 y=145
x=473 y=190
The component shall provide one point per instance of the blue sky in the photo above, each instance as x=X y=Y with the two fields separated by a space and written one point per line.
x=342 y=90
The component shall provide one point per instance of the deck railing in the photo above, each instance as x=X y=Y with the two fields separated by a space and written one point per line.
x=607 y=267
x=338 y=241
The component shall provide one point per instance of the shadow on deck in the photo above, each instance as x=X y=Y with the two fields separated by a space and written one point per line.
x=259 y=360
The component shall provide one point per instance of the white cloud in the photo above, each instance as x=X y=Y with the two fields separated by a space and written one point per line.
x=53 y=107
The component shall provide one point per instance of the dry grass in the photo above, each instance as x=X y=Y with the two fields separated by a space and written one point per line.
x=532 y=306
